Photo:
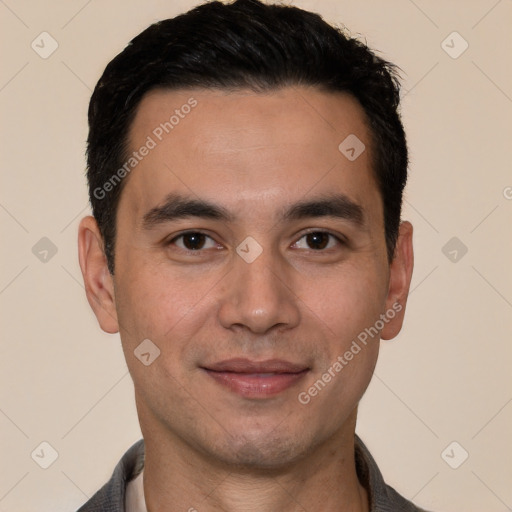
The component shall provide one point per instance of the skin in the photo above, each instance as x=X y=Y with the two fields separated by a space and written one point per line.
x=254 y=154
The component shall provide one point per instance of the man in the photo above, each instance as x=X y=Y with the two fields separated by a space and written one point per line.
x=246 y=164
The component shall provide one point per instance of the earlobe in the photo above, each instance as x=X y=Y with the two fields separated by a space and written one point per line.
x=399 y=282
x=99 y=284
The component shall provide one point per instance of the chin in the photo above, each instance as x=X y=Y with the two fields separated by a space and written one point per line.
x=261 y=450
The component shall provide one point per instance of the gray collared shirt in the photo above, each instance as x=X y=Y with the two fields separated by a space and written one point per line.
x=111 y=497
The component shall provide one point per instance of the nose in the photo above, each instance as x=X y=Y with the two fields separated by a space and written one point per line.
x=258 y=296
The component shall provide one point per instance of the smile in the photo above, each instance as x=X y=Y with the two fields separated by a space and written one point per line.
x=252 y=379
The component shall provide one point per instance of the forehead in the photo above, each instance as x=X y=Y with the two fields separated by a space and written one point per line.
x=245 y=147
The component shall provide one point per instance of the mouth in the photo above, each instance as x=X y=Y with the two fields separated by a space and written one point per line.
x=256 y=379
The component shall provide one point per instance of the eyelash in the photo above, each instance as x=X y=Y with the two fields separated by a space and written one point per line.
x=341 y=241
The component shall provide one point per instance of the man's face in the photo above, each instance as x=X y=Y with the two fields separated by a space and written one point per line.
x=245 y=325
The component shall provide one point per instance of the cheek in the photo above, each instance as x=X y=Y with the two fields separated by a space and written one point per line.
x=347 y=309
x=158 y=304
x=348 y=301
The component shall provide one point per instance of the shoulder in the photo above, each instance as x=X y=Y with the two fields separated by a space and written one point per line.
x=110 y=498
x=383 y=498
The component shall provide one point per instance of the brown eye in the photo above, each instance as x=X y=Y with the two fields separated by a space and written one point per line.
x=193 y=241
x=317 y=241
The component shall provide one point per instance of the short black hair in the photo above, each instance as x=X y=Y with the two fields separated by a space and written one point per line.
x=246 y=44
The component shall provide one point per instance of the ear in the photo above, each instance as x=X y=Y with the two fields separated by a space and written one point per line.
x=399 y=281
x=99 y=283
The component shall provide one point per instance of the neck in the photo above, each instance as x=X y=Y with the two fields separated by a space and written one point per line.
x=178 y=477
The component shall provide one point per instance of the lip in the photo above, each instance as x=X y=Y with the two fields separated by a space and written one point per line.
x=256 y=379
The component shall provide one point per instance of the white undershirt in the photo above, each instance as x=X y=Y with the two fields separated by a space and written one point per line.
x=134 y=500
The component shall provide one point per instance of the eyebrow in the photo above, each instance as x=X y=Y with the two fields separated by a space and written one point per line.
x=335 y=205
x=177 y=206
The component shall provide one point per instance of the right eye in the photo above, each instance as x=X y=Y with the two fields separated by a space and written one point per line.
x=193 y=241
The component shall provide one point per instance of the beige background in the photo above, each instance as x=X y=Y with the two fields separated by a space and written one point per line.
x=445 y=378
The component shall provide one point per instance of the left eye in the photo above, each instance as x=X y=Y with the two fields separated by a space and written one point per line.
x=317 y=241
x=193 y=241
